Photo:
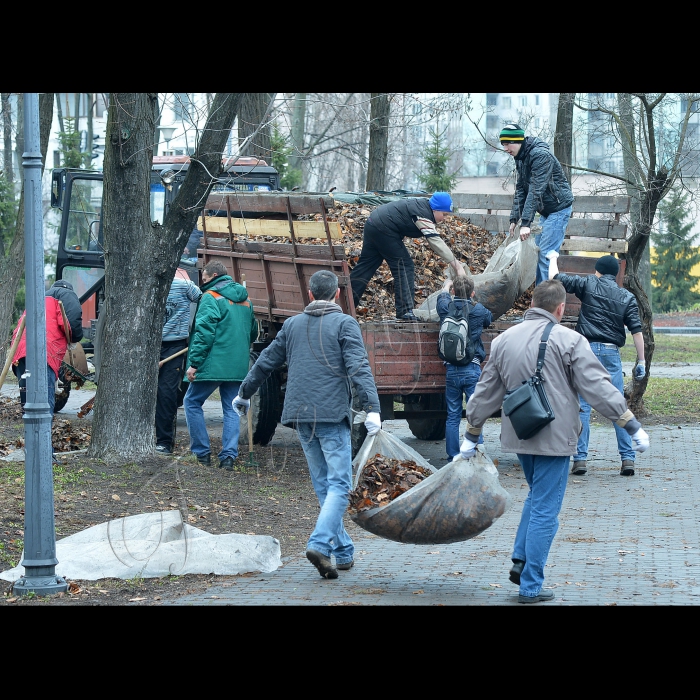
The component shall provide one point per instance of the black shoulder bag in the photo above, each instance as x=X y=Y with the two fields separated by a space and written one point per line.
x=528 y=407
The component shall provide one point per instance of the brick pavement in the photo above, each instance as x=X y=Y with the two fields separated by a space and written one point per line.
x=621 y=541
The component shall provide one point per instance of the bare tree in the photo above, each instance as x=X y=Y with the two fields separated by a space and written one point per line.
x=378 y=141
x=7 y=138
x=653 y=135
x=254 y=125
x=141 y=257
x=563 y=137
x=12 y=263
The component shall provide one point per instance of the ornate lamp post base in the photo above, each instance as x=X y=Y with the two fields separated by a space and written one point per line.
x=40 y=585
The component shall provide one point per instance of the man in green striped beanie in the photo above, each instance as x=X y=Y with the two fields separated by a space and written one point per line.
x=541 y=186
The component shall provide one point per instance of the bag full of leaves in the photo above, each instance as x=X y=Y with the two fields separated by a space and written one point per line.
x=454 y=504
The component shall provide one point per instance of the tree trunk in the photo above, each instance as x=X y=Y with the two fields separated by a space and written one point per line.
x=254 y=117
x=563 y=137
x=378 y=141
x=140 y=262
x=89 y=96
x=12 y=264
x=19 y=139
x=59 y=113
x=296 y=158
x=7 y=138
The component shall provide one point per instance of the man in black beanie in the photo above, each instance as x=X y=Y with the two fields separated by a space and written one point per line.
x=606 y=308
x=541 y=186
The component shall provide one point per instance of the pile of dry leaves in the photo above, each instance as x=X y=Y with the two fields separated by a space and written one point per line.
x=68 y=437
x=383 y=479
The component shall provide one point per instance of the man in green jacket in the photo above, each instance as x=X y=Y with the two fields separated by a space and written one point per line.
x=218 y=358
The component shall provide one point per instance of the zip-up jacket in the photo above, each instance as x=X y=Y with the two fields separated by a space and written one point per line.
x=541 y=185
x=325 y=355
x=63 y=291
x=479 y=318
x=606 y=308
x=224 y=327
x=177 y=309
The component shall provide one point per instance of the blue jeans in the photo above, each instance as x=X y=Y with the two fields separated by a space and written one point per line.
x=609 y=357
x=329 y=455
x=459 y=382
x=551 y=238
x=197 y=394
x=539 y=522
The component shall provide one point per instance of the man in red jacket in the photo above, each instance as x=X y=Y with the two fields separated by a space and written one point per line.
x=56 y=346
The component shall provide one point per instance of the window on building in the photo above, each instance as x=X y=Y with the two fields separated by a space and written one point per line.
x=181 y=105
x=522 y=100
x=537 y=100
x=537 y=122
x=492 y=121
x=492 y=169
x=491 y=99
x=505 y=102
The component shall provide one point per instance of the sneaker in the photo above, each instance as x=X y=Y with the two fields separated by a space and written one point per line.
x=322 y=563
x=542 y=597
x=579 y=468
x=516 y=570
x=410 y=317
x=345 y=566
x=627 y=467
x=204 y=459
x=227 y=463
x=163 y=450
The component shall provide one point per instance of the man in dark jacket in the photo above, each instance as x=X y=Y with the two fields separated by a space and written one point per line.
x=541 y=186
x=325 y=355
x=460 y=381
x=218 y=358
x=382 y=240
x=183 y=294
x=606 y=308
x=63 y=292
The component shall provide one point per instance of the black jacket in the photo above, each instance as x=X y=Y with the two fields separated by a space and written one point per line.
x=399 y=218
x=63 y=292
x=605 y=308
x=541 y=185
x=479 y=319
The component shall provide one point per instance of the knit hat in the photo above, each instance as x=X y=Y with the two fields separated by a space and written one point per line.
x=607 y=265
x=512 y=133
x=441 y=201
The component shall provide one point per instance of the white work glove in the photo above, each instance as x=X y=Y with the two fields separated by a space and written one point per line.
x=467 y=449
x=640 y=441
x=373 y=423
x=639 y=372
x=240 y=406
x=552 y=254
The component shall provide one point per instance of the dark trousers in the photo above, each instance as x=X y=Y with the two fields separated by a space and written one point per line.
x=377 y=247
x=169 y=378
x=50 y=381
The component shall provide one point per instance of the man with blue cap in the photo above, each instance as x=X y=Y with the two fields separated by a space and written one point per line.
x=382 y=240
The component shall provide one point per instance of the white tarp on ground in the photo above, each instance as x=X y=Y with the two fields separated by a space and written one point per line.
x=157 y=544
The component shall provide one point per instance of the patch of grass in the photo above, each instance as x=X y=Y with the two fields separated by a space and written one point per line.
x=677 y=398
x=667 y=348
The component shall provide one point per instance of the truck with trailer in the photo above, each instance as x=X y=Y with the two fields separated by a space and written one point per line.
x=403 y=356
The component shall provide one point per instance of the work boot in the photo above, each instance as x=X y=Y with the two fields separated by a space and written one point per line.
x=163 y=450
x=627 y=467
x=541 y=597
x=204 y=459
x=322 y=563
x=579 y=468
x=227 y=463
x=346 y=565
x=516 y=570
x=410 y=317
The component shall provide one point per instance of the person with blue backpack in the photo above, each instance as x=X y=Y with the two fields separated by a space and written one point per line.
x=462 y=321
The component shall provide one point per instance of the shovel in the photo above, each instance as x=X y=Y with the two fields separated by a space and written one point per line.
x=251 y=457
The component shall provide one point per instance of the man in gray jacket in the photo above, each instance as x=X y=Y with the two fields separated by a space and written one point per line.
x=325 y=354
x=570 y=368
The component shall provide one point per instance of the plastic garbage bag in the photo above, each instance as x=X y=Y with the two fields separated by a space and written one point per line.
x=510 y=272
x=455 y=504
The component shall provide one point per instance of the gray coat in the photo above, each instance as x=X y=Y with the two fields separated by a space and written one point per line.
x=570 y=368
x=325 y=354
